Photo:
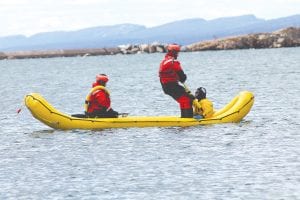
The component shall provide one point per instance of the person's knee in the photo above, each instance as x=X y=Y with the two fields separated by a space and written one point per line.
x=184 y=102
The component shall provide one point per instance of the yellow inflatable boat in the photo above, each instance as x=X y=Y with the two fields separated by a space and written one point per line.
x=234 y=111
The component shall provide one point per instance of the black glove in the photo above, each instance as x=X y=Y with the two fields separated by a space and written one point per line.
x=191 y=95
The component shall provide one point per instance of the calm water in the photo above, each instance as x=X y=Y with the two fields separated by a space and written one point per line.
x=258 y=158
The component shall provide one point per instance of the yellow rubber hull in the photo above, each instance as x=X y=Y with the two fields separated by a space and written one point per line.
x=234 y=111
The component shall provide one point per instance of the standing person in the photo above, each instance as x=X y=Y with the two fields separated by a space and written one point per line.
x=170 y=74
x=97 y=102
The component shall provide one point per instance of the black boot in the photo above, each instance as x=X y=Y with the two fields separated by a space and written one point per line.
x=187 y=113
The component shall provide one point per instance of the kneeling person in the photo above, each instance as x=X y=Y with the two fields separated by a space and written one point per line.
x=97 y=102
x=202 y=106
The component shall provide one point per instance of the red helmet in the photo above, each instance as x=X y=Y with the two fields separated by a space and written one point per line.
x=173 y=47
x=102 y=77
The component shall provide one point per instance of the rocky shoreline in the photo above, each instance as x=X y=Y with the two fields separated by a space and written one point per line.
x=289 y=37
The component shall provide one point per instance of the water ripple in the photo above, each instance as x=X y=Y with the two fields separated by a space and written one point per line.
x=255 y=159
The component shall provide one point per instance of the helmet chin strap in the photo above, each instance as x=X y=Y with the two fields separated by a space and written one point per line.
x=175 y=54
x=102 y=83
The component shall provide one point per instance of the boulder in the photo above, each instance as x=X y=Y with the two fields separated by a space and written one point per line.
x=3 y=56
x=160 y=48
x=144 y=48
x=152 y=48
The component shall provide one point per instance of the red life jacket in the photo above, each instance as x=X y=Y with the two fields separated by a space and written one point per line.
x=168 y=70
x=98 y=100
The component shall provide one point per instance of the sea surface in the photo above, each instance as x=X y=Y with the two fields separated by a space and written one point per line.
x=258 y=158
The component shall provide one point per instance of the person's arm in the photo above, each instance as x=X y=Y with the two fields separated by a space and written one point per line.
x=179 y=71
x=182 y=76
x=103 y=100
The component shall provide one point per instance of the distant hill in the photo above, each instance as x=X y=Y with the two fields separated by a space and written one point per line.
x=183 y=32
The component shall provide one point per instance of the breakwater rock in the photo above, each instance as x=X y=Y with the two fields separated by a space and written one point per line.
x=289 y=37
x=122 y=49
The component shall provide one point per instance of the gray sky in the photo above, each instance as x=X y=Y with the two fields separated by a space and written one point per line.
x=28 y=17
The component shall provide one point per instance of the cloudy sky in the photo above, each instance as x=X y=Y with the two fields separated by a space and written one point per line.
x=28 y=17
